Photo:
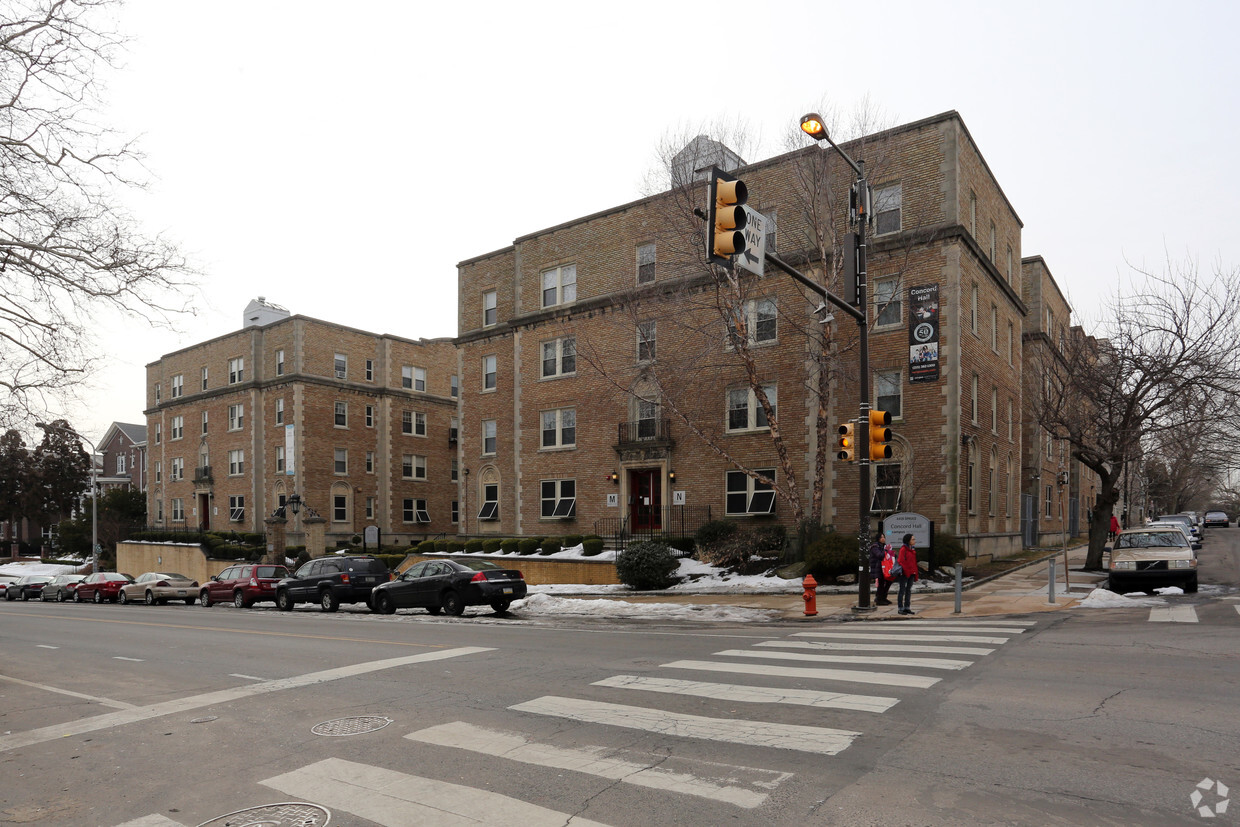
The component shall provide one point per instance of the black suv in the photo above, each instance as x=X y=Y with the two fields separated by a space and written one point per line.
x=330 y=581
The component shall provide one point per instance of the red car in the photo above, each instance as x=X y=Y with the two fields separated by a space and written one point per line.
x=243 y=585
x=101 y=586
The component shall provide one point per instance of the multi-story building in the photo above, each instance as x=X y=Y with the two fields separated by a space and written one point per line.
x=609 y=377
x=360 y=425
x=122 y=453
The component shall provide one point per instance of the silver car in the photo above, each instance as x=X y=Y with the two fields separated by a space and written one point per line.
x=160 y=587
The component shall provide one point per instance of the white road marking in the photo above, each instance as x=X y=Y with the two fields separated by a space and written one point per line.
x=395 y=799
x=132 y=714
x=754 y=733
x=154 y=820
x=752 y=694
x=877 y=647
x=59 y=691
x=45 y=646
x=870 y=660
x=960 y=626
x=606 y=762
x=131 y=660
x=898 y=636
x=882 y=678
x=246 y=677
x=1174 y=614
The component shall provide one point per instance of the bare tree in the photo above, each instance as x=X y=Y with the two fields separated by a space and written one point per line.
x=68 y=250
x=1169 y=364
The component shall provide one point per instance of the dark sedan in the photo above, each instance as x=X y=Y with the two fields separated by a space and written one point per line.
x=450 y=585
x=62 y=587
x=27 y=586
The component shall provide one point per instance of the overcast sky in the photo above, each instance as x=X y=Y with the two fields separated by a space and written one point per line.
x=341 y=158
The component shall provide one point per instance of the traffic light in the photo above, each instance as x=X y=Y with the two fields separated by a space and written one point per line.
x=846 y=442
x=880 y=435
x=725 y=217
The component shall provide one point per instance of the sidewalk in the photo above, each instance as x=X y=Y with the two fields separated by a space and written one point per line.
x=1019 y=591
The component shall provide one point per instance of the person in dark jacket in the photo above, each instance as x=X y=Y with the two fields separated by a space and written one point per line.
x=878 y=550
x=907 y=558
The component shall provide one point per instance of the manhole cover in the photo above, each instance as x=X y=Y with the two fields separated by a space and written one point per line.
x=351 y=726
x=288 y=814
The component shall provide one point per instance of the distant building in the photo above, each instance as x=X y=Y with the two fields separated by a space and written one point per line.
x=122 y=457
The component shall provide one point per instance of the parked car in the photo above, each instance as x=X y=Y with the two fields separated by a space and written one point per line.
x=1181 y=527
x=5 y=581
x=101 y=586
x=1150 y=556
x=62 y=586
x=1217 y=518
x=1186 y=520
x=451 y=585
x=159 y=587
x=243 y=586
x=27 y=586
x=330 y=581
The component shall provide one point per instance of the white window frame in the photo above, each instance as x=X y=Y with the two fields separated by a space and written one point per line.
x=280 y=362
x=340 y=461
x=888 y=201
x=176 y=469
x=370 y=416
x=340 y=366
x=561 y=353
x=178 y=386
x=236 y=462
x=557 y=499
x=753 y=409
x=490 y=308
x=490 y=373
x=647 y=340
x=370 y=462
x=558 y=285
x=176 y=429
x=888 y=303
x=279 y=459
x=340 y=414
x=563 y=428
x=889 y=380
x=236 y=370
x=758 y=312
x=205 y=376
x=489 y=434
x=280 y=411
x=204 y=423
x=340 y=508
x=753 y=505
x=178 y=510
x=236 y=417
x=886 y=503
x=647 y=257
x=236 y=508
x=489 y=510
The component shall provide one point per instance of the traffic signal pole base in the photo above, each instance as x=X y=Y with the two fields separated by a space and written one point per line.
x=863 y=609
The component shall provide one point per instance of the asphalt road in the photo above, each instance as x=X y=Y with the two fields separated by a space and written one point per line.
x=177 y=715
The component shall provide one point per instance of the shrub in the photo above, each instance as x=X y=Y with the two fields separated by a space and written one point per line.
x=591 y=537
x=831 y=554
x=391 y=560
x=714 y=531
x=441 y=544
x=425 y=547
x=571 y=540
x=528 y=545
x=550 y=546
x=730 y=552
x=592 y=546
x=473 y=546
x=454 y=545
x=491 y=544
x=303 y=557
x=647 y=565
x=769 y=540
x=948 y=550
x=509 y=545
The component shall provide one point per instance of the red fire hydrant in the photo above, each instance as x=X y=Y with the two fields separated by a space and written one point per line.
x=810 y=596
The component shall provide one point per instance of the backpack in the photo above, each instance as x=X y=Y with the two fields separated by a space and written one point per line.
x=891 y=567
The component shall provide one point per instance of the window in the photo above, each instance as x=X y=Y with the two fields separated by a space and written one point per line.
x=454 y=430
x=994 y=410
x=1011 y=338
x=746 y=495
x=120 y=464
x=454 y=386
x=340 y=366
x=176 y=469
x=886 y=488
x=559 y=499
x=887 y=304
x=414 y=511
x=1007 y=494
x=419 y=379
x=488 y=373
x=490 y=503
x=341 y=464
x=178 y=386
x=413 y=423
x=887 y=209
x=159 y=471
x=973 y=399
x=1009 y=420
x=456 y=512
x=971 y=484
x=973 y=309
x=761 y=323
x=279 y=363
x=646 y=335
x=645 y=263
x=158 y=432
x=159 y=511
x=157 y=392
x=413 y=378
x=279 y=459
x=413 y=467
x=370 y=508
x=488 y=308
x=236 y=462
x=236 y=369
x=204 y=422
x=454 y=473
x=559 y=428
x=559 y=285
x=745 y=411
x=178 y=428
x=994 y=328
x=973 y=214
x=236 y=509
x=236 y=417
x=1050 y=446
x=488 y=436
x=280 y=411
x=994 y=243
x=1009 y=263
x=992 y=493
x=370 y=416
x=340 y=508
x=178 y=510
x=647 y=415
x=341 y=416
x=370 y=370
x=204 y=379
x=1050 y=501
x=370 y=462
x=559 y=356
x=772 y=221
x=887 y=392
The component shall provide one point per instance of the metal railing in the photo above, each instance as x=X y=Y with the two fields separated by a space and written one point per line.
x=649 y=523
x=645 y=430
x=202 y=473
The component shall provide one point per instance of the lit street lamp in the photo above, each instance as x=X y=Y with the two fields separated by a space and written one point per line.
x=94 y=496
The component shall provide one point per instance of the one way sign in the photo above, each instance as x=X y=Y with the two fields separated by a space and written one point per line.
x=753 y=257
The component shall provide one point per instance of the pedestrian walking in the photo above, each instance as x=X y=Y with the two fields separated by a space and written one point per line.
x=907 y=560
x=879 y=549
x=1114 y=527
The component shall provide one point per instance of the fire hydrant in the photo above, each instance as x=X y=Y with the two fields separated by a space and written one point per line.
x=810 y=596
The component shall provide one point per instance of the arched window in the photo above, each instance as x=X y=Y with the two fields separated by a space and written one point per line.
x=488 y=495
x=341 y=503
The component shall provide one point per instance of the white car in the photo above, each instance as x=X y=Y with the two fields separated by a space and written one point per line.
x=1152 y=555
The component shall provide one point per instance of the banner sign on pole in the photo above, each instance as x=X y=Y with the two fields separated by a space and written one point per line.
x=923 y=333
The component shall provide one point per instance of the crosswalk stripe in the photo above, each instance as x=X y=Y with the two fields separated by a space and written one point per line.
x=899 y=636
x=153 y=820
x=752 y=694
x=953 y=626
x=605 y=762
x=1174 y=614
x=871 y=660
x=395 y=799
x=754 y=733
x=883 y=678
x=1237 y=608
x=877 y=647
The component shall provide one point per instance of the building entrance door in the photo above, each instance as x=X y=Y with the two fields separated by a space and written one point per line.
x=204 y=512
x=645 y=500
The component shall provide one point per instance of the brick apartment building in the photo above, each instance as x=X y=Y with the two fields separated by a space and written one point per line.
x=122 y=457
x=601 y=381
x=360 y=425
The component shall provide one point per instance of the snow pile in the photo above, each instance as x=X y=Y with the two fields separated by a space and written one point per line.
x=1104 y=599
x=1167 y=590
x=22 y=569
x=544 y=604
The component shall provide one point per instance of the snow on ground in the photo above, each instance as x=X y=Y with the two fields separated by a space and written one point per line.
x=22 y=569
x=543 y=604
x=1103 y=599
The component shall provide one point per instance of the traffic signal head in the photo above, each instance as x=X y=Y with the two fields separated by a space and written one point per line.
x=725 y=217
x=846 y=443
x=880 y=435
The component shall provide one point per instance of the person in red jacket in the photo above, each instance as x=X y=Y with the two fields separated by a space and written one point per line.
x=907 y=558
